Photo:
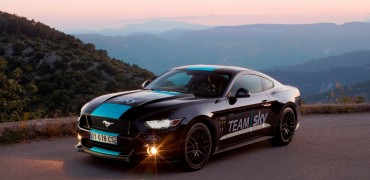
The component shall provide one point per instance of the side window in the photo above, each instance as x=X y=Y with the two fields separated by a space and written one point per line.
x=250 y=82
x=267 y=84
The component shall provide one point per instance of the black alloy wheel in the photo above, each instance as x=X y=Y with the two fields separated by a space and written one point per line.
x=197 y=148
x=285 y=129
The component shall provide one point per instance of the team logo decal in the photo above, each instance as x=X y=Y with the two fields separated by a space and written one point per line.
x=247 y=122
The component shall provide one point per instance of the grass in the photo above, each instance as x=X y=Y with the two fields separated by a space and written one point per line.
x=10 y=136
x=334 y=108
x=26 y=131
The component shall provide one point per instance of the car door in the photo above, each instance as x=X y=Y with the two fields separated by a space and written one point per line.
x=246 y=116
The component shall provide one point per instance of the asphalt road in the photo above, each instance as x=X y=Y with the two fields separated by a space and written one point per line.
x=325 y=147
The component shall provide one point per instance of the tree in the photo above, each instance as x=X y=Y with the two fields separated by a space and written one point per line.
x=12 y=102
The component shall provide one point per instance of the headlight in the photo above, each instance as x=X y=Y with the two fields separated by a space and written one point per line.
x=163 y=124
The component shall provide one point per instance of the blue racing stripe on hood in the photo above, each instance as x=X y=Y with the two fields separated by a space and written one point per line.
x=110 y=110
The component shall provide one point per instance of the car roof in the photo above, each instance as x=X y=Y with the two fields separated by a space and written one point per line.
x=222 y=68
x=204 y=67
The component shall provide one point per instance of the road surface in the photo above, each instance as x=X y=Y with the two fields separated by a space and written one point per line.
x=324 y=147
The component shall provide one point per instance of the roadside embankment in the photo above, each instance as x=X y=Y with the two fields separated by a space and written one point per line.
x=13 y=132
x=334 y=108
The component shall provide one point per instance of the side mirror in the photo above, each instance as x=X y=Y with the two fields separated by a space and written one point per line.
x=145 y=83
x=242 y=93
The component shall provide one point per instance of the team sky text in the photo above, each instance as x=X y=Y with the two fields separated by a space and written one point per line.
x=246 y=122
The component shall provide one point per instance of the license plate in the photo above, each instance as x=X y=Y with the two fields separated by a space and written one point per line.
x=103 y=138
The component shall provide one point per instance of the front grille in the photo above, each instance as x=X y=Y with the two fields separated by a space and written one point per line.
x=126 y=149
x=119 y=126
x=123 y=127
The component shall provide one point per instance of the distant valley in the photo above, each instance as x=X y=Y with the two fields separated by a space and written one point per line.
x=349 y=73
x=314 y=57
x=260 y=46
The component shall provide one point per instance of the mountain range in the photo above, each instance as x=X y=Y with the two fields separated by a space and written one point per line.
x=259 y=46
x=156 y=26
x=359 y=90
x=317 y=78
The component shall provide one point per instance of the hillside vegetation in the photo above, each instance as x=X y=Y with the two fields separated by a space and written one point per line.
x=46 y=73
x=356 y=93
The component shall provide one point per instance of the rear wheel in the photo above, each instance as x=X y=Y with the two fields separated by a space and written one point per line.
x=197 y=147
x=285 y=129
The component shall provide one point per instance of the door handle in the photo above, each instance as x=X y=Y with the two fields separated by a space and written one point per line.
x=266 y=103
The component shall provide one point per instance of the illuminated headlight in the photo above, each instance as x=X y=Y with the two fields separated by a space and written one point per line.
x=79 y=137
x=162 y=124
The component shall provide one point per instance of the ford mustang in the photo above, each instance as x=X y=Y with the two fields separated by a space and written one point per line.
x=189 y=113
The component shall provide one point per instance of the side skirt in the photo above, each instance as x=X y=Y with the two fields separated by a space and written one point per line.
x=219 y=150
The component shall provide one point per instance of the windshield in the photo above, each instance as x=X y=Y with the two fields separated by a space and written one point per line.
x=199 y=83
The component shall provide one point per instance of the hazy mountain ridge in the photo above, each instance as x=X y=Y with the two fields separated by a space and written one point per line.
x=361 y=89
x=150 y=27
x=351 y=59
x=260 y=46
x=46 y=73
x=174 y=33
x=321 y=81
x=323 y=75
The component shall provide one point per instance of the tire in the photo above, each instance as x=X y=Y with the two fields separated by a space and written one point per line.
x=285 y=129
x=197 y=147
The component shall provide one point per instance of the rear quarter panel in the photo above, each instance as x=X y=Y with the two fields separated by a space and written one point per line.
x=284 y=96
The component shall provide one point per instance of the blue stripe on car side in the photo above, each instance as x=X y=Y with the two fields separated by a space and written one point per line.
x=202 y=68
x=104 y=132
x=110 y=110
x=105 y=151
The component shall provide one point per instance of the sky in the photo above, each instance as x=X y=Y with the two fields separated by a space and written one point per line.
x=101 y=14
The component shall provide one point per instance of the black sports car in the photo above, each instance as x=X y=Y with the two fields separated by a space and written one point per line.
x=189 y=113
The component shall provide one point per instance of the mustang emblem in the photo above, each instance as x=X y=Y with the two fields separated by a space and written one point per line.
x=107 y=124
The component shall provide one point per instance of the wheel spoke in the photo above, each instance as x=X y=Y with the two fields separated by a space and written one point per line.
x=192 y=139
x=284 y=123
x=205 y=143
x=200 y=153
x=192 y=157
x=287 y=126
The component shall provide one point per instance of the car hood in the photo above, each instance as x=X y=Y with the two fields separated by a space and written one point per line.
x=117 y=104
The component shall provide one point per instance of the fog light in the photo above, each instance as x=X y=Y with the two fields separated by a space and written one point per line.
x=152 y=150
x=79 y=137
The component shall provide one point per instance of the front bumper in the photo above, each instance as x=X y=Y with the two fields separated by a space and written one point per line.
x=132 y=149
x=103 y=153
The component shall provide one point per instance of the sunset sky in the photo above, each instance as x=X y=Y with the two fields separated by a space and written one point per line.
x=100 y=14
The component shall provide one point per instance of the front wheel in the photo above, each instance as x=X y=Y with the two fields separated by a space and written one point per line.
x=197 y=147
x=285 y=129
